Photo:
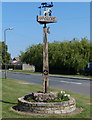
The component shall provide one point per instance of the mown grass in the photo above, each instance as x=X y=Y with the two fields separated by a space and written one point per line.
x=13 y=89
x=24 y=71
x=0 y=98
x=84 y=76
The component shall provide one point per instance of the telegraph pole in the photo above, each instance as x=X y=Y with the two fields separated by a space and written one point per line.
x=45 y=19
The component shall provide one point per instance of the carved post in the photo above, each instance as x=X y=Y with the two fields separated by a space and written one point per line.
x=45 y=20
x=45 y=60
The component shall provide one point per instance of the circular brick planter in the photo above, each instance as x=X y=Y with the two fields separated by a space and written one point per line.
x=47 y=108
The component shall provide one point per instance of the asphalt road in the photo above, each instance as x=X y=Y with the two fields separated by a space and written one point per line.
x=75 y=85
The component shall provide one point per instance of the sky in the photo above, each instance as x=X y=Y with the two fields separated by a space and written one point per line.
x=73 y=21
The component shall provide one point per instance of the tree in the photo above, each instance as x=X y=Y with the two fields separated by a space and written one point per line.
x=3 y=53
x=67 y=57
x=33 y=56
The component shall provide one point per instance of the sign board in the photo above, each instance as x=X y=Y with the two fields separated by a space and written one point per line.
x=45 y=72
x=46 y=19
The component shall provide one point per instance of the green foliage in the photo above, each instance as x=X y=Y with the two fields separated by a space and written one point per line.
x=63 y=96
x=3 y=53
x=33 y=55
x=47 y=98
x=30 y=99
x=67 y=57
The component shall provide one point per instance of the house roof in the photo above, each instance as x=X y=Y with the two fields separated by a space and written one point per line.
x=16 y=58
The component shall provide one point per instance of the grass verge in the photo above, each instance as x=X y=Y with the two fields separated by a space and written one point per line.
x=13 y=89
x=24 y=71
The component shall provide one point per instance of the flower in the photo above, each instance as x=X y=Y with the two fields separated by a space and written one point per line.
x=52 y=98
x=42 y=97
x=68 y=95
x=65 y=94
x=36 y=98
x=35 y=95
x=47 y=97
x=62 y=92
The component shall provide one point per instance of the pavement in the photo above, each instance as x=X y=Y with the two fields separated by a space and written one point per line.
x=59 y=76
x=55 y=81
x=71 y=77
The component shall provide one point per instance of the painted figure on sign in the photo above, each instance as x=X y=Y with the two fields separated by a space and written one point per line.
x=50 y=11
x=47 y=12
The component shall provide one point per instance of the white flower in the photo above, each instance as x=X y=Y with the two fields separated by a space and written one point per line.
x=61 y=92
x=68 y=95
x=65 y=94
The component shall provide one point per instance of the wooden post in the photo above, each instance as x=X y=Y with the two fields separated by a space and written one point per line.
x=45 y=20
x=45 y=60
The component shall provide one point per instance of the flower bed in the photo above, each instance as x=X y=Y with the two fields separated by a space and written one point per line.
x=47 y=97
x=51 y=103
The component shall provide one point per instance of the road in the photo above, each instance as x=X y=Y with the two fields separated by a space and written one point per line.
x=75 y=85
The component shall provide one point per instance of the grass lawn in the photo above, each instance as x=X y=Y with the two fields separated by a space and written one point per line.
x=24 y=71
x=13 y=89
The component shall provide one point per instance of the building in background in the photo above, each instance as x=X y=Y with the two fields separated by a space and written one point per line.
x=16 y=64
x=16 y=60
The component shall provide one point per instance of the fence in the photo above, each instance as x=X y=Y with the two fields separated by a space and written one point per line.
x=19 y=67
x=14 y=67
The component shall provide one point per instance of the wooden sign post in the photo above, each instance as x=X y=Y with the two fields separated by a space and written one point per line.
x=45 y=59
x=45 y=20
